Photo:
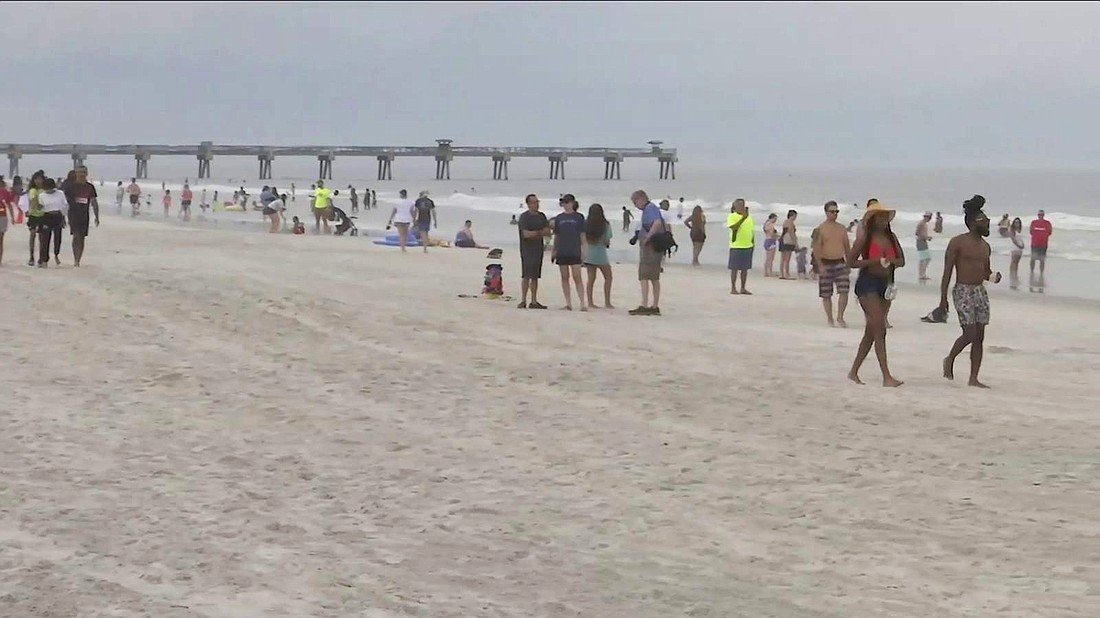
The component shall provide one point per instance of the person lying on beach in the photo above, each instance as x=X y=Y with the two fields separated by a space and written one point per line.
x=465 y=237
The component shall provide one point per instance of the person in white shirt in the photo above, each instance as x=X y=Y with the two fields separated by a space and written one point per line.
x=119 y=194
x=274 y=213
x=402 y=217
x=54 y=206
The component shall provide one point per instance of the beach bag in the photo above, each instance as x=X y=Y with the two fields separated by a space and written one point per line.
x=664 y=243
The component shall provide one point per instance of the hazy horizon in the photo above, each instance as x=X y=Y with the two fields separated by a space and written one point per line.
x=768 y=86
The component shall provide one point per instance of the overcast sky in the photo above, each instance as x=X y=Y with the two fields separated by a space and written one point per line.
x=746 y=84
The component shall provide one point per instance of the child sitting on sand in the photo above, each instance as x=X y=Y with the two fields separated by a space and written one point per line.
x=299 y=227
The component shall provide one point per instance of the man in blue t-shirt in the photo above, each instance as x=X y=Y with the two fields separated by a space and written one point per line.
x=649 y=258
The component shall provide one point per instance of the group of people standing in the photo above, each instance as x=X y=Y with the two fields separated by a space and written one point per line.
x=50 y=206
x=579 y=242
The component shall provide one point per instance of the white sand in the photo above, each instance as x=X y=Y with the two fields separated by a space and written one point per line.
x=218 y=423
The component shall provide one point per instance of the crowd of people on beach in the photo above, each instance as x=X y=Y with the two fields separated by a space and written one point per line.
x=578 y=244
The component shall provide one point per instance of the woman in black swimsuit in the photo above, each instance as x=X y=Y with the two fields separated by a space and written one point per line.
x=876 y=252
x=697 y=223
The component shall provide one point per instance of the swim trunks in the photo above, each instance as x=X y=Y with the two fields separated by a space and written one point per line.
x=924 y=254
x=971 y=303
x=834 y=274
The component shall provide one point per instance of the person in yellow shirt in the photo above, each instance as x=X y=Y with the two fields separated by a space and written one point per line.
x=322 y=199
x=742 y=242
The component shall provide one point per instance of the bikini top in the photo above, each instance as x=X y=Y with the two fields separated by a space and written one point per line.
x=875 y=252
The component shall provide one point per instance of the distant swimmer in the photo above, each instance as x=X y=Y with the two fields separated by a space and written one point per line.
x=513 y=221
x=354 y=200
x=831 y=249
x=167 y=201
x=120 y=194
x=185 y=202
x=680 y=209
x=1003 y=228
x=1041 y=230
x=81 y=196
x=135 y=197
x=203 y=204
x=938 y=228
x=293 y=192
x=923 y=254
x=627 y=218
x=967 y=257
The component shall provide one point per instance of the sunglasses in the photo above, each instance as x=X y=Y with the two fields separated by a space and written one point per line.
x=833 y=212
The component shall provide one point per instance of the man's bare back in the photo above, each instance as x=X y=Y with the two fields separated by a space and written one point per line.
x=833 y=241
x=971 y=258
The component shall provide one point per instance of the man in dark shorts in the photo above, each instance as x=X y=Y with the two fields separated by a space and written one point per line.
x=425 y=217
x=533 y=227
x=968 y=257
x=134 y=192
x=1041 y=229
x=80 y=194
x=830 y=251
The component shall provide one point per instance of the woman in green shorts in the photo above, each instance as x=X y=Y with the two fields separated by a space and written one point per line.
x=597 y=232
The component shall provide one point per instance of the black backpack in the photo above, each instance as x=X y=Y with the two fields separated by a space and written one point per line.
x=664 y=243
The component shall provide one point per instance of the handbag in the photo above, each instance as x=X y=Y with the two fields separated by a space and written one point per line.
x=891 y=290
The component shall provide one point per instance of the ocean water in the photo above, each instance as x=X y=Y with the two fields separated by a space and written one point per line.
x=1071 y=199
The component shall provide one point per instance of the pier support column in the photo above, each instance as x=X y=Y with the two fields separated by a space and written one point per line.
x=205 y=155
x=141 y=169
x=442 y=167
x=204 y=166
x=78 y=159
x=500 y=166
x=667 y=167
x=557 y=166
x=265 y=166
x=385 y=167
x=13 y=164
x=324 y=161
x=612 y=167
x=443 y=157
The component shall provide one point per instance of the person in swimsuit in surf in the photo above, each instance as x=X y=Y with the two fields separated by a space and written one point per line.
x=697 y=223
x=771 y=244
x=876 y=253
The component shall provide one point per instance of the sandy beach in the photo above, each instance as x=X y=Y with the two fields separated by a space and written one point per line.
x=217 y=423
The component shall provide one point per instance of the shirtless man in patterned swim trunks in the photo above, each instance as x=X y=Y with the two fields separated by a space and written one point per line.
x=830 y=249
x=968 y=257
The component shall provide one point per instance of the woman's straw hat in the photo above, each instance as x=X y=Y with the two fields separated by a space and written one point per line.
x=876 y=208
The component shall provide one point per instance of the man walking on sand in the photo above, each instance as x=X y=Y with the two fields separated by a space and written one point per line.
x=923 y=254
x=81 y=194
x=968 y=257
x=742 y=242
x=135 y=196
x=1041 y=229
x=533 y=228
x=425 y=217
x=830 y=249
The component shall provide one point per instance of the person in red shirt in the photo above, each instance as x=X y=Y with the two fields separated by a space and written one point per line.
x=1041 y=229
x=7 y=208
x=185 y=202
